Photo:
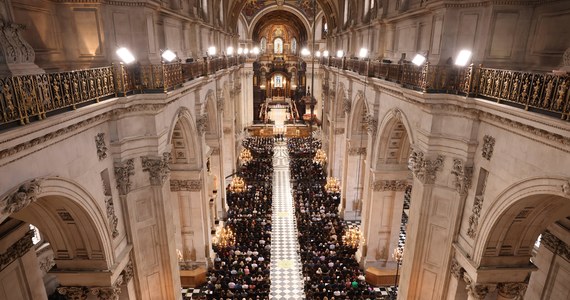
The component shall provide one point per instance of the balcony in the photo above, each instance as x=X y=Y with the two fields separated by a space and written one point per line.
x=543 y=93
x=24 y=99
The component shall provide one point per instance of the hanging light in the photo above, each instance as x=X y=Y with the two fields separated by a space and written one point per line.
x=320 y=157
x=332 y=185
x=245 y=156
x=237 y=185
x=352 y=237
x=224 y=238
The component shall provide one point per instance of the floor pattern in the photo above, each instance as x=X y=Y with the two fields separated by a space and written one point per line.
x=286 y=276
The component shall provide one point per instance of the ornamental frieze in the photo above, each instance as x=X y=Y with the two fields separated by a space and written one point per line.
x=461 y=176
x=185 y=185
x=353 y=151
x=22 y=197
x=511 y=290
x=128 y=272
x=456 y=270
x=17 y=250
x=488 y=147
x=202 y=123
x=111 y=217
x=101 y=147
x=389 y=185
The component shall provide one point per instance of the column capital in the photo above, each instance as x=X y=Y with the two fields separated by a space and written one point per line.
x=511 y=290
x=479 y=291
x=123 y=171
x=106 y=293
x=157 y=167
x=423 y=168
x=462 y=176
x=73 y=292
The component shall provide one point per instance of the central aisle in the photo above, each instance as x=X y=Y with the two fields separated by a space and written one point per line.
x=286 y=276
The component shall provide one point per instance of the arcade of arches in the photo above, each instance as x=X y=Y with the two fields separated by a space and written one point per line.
x=114 y=178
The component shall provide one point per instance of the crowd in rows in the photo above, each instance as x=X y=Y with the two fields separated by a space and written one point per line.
x=330 y=268
x=241 y=271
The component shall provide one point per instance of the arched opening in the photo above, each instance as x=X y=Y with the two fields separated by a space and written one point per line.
x=75 y=238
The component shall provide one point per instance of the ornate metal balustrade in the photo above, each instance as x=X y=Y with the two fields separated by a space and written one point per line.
x=542 y=93
x=28 y=97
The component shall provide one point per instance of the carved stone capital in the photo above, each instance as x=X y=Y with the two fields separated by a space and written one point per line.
x=106 y=293
x=462 y=176
x=511 y=290
x=220 y=100
x=22 y=197
x=202 y=123
x=488 y=147
x=123 y=173
x=347 y=105
x=227 y=130
x=479 y=291
x=352 y=151
x=389 y=185
x=101 y=147
x=185 y=185
x=456 y=270
x=73 y=292
x=157 y=167
x=371 y=124
x=128 y=272
x=339 y=131
x=423 y=168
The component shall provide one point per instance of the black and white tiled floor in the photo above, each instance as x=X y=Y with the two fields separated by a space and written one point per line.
x=286 y=277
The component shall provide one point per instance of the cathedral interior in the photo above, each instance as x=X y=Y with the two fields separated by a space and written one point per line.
x=284 y=149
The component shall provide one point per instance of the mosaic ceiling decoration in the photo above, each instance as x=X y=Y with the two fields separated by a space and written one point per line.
x=252 y=7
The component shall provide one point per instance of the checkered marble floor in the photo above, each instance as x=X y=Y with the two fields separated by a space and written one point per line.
x=286 y=277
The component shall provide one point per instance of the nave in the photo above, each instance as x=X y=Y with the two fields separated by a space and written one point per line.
x=260 y=253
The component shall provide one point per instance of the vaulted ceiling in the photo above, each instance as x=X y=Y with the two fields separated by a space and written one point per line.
x=253 y=7
x=286 y=19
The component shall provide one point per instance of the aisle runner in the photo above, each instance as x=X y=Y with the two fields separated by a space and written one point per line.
x=286 y=276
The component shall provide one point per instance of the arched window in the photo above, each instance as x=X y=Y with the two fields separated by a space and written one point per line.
x=278 y=46
x=294 y=46
x=263 y=44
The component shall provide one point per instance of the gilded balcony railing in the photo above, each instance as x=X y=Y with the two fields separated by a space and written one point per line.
x=28 y=97
x=543 y=93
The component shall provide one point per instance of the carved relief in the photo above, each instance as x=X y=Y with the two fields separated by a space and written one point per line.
x=215 y=150
x=555 y=245
x=474 y=218
x=488 y=146
x=14 y=48
x=157 y=167
x=389 y=185
x=456 y=270
x=123 y=172
x=356 y=151
x=128 y=272
x=202 y=123
x=26 y=194
x=339 y=131
x=101 y=147
x=220 y=100
x=106 y=293
x=512 y=290
x=371 y=124
x=46 y=263
x=111 y=217
x=17 y=250
x=227 y=130
x=566 y=188
x=347 y=105
x=424 y=169
x=462 y=176
x=73 y=292
x=185 y=185
x=478 y=291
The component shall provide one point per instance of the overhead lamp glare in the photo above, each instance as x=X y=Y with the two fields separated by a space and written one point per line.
x=246 y=51
x=418 y=60
x=240 y=51
x=363 y=53
x=326 y=53
x=463 y=58
x=339 y=53
x=125 y=55
x=230 y=51
x=212 y=51
x=305 y=52
x=168 y=55
x=318 y=54
x=255 y=50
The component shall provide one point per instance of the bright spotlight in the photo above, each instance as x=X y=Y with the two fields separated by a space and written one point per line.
x=463 y=58
x=230 y=51
x=246 y=51
x=363 y=53
x=339 y=53
x=318 y=54
x=168 y=55
x=418 y=60
x=211 y=51
x=125 y=55
x=240 y=51
x=305 y=52
x=255 y=51
x=326 y=53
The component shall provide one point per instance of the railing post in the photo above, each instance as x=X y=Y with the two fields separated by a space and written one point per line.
x=424 y=84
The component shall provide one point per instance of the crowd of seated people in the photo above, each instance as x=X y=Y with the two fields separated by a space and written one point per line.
x=242 y=271
x=330 y=268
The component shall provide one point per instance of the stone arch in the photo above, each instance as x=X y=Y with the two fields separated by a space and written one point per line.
x=287 y=8
x=211 y=112
x=71 y=219
x=341 y=98
x=183 y=139
x=358 y=115
x=512 y=223
x=395 y=139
